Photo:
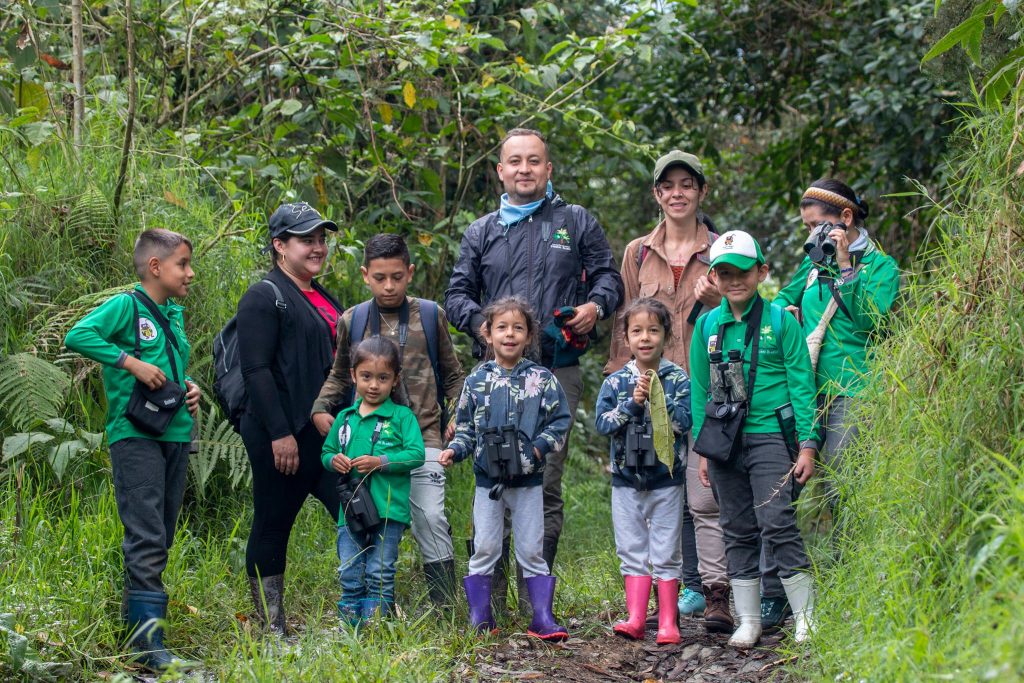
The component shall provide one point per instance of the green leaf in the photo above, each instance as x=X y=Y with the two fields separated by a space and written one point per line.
x=974 y=24
x=21 y=442
x=61 y=455
x=284 y=129
x=289 y=107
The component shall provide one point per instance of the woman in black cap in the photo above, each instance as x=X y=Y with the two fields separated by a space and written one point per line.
x=287 y=327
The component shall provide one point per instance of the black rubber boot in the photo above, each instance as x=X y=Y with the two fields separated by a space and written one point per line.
x=146 y=614
x=440 y=582
x=268 y=599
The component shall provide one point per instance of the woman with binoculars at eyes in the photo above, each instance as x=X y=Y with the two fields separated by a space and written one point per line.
x=843 y=294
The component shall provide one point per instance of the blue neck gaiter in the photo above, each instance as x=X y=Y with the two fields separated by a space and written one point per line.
x=510 y=214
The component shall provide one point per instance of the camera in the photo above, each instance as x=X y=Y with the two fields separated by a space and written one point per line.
x=361 y=514
x=640 y=444
x=501 y=452
x=819 y=247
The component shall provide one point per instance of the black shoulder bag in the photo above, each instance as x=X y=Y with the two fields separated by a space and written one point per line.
x=151 y=410
x=357 y=504
x=721 y=434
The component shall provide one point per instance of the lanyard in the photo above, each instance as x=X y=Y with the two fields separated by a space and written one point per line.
x=346 y=435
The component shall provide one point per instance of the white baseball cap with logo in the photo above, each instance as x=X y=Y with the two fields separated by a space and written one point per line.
x=737 y=248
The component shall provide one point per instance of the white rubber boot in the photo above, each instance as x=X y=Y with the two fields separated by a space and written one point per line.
x=800 y=592
x=746 y=593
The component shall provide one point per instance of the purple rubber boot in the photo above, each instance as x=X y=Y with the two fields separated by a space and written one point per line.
x=478 y=595
x=542 y=595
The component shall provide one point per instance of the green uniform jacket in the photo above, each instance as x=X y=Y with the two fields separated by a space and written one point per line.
x=400 y=447
x=783 y=371
x=844 y=356
x=107 y=334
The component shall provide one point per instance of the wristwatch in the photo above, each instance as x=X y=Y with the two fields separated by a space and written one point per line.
x=600 y=310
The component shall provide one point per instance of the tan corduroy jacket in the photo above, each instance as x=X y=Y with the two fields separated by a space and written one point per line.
x=654 y=278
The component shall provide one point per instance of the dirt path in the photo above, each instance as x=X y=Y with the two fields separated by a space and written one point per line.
x=600 y=656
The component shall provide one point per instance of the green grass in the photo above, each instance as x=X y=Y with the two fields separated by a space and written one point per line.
x=930 y=584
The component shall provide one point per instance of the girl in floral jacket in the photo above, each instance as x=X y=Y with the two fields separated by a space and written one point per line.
x=511 y=414
x=647 y=493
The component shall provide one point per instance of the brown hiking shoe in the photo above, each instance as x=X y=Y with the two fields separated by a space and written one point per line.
x=717 y=617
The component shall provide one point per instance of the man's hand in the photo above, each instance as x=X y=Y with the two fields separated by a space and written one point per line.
x=707 y=292
x=365 y=464
x=286 y=454
x=804 y=469
x=446 y=457
x=192 y=397
x=702 y=472
x=795 y=310
x=584 y=320
x=323 y=422
x=147 y=373
x=642 y=389
x=341 y=463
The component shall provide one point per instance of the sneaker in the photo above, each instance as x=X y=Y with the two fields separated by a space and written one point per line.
x=773 y=612
x=691 y=603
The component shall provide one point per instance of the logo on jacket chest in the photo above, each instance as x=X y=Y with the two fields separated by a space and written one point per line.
x=147 y=330
x=561 y=240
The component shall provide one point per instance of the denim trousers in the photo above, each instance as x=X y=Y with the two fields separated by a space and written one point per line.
x=755 y=501
x=149 y=486
x=368 y=562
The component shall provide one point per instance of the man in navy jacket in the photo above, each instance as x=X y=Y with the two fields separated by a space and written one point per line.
x=553 y=255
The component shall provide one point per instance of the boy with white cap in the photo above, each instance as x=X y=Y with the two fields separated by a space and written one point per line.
x=753 y=479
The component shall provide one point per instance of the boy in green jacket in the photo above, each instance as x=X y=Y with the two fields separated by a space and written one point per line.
x=128 y=335
x=374 y=444
x=752 y=486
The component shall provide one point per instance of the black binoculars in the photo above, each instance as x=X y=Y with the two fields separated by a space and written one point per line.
x=819 y=247
x=640 y=444
x=361 y=514
x=501 y=455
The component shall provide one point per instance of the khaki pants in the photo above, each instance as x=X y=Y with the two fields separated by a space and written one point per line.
x=704 y=510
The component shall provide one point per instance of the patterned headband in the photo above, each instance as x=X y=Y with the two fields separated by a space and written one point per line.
x=830 y=197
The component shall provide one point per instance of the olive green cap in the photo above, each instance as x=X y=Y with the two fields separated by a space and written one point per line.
x=677 y=158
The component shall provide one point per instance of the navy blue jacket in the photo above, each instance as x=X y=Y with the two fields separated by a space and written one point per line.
x=539 y=259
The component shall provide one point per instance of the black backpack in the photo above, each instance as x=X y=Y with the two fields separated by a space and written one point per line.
x=228 y=386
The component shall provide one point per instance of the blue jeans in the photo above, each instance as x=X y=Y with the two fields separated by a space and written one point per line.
x=368 y=562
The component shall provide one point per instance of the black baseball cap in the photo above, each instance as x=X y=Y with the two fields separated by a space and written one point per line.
x=298 y=219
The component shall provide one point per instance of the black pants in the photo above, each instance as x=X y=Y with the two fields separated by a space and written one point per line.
x=149 y=484
x=277 y=498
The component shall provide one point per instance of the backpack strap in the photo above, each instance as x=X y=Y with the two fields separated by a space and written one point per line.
x=428 y=317
x=357 y=328
x=776 y=313
x=712 y=317
x=278 y=297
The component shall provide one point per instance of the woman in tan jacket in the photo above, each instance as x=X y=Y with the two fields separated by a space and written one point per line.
x=671 y=265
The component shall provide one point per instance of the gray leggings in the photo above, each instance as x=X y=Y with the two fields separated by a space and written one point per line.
x=527 y=507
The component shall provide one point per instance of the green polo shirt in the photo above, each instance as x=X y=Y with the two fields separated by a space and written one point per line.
x=846 y=348
x=783 y=370
x=107 y=334
x=400 y=446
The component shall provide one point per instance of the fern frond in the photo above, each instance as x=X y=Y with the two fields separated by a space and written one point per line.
x=53 y=325
x=32 y=391
x=219 y=445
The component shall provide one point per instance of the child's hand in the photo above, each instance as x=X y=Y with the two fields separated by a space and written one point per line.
x=702 y=472
x=446 y=457
x=804 y=469
x=192 y=397
x=365 y=464
x=642 y=389
x=341 y=463
x=147 y=373
x=323 y=422
x=449 y=433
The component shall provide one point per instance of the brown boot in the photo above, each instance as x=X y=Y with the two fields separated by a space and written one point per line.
x=717 y=617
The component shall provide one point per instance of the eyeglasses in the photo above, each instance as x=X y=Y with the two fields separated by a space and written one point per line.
x=685 y=184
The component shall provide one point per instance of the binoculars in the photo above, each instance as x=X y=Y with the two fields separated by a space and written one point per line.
x=361 y=514
x=640 y=444
x=727 y=380
x=501 y=455
x=819 y=247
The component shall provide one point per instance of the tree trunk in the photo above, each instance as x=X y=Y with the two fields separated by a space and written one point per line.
x=77 y=73
x=129 y=124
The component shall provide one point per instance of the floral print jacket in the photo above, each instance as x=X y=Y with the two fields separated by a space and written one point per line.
x=616 y=407
x=528 y=396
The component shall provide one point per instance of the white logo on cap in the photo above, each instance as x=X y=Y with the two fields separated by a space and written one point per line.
x=300 y=208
